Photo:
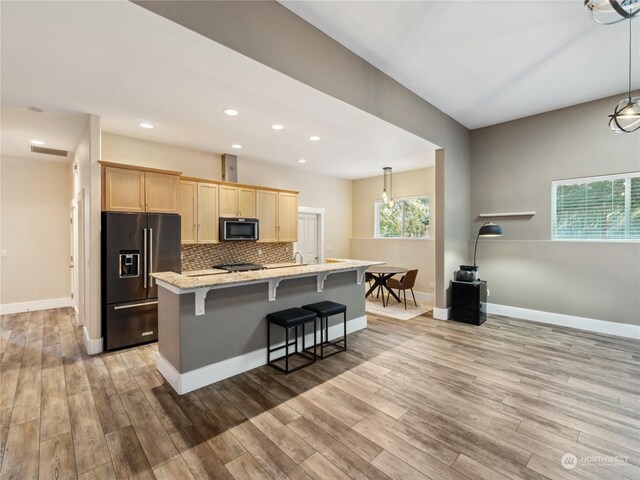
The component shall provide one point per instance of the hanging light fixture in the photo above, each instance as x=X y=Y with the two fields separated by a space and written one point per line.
x=387 y=191
x=626 y=116
x=607 y=12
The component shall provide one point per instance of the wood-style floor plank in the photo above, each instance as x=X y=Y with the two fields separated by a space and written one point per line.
x=197 y=454
x=88 y=438
x=410 y=399
x=57 y=461
x=154 y=439
x=22 y=452
x=103 y=472
x=319 y=468
x=127 y=455
x=245 y=467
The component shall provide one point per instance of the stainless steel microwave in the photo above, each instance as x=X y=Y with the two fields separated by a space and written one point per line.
x=239 y=229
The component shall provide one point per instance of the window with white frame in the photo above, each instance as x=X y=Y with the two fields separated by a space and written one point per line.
x=407 y=218
x=596 y=208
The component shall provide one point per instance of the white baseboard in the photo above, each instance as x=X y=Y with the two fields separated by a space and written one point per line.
x=8 y=308
x=192 y=380
x=582 y=323
x=93 y=346
x=424 y=297
x=441 y=313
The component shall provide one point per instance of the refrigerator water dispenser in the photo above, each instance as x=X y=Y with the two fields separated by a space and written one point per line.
x=129 y=263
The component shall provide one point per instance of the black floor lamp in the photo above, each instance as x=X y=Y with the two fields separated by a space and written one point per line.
x=487 y=230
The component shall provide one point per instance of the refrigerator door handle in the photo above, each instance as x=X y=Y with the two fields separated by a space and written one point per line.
x=144 y=241
x=150 y=257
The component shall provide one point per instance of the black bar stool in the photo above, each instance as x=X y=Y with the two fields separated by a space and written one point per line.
x=324 y=310
x=291 y=317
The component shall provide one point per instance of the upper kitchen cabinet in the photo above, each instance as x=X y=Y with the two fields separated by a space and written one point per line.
x=199 y=212
x=162 y=193
x=136 y=189
x=123 y=190
x=278 y=215
x=267 y=204
x=287 y=217
x=237 y=201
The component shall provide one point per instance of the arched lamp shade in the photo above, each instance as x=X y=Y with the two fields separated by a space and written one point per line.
x=487 y=230
x=490 y=230
x=608 y=12
x=626 y=116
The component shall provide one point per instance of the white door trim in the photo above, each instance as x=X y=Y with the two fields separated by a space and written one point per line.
x=320 y=212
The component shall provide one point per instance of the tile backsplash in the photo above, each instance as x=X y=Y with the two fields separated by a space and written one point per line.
x=201 y=257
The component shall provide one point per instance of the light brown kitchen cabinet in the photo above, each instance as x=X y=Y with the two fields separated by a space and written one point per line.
x=278 y=215
x=267 y=206
x=123 y=190
x=237 y=201
x=162 y=193
x=188 y=212
x=207 y=213
x=199 y=212
x=131 y=189
x=287 y=217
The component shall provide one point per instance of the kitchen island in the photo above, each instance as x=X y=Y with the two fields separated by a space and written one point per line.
x=212 y=323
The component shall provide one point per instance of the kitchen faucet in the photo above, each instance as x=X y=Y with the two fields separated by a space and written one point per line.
x=295 y=255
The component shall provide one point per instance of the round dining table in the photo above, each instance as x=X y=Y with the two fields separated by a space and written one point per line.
x=380 y=274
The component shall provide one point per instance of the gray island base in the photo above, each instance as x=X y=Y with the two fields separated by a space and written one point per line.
x=199 y=346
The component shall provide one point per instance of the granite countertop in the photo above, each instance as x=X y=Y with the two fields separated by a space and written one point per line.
x=215 y=277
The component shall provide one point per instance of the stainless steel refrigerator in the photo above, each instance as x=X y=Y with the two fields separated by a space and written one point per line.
x=134 y=245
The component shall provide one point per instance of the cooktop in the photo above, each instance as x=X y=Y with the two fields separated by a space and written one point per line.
x=239 y=267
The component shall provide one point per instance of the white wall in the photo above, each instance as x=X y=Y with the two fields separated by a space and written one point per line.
x=86 y=184
x=332 y=194
x=406 y=253
x=34 y=217
x=320 y=191
x=134 y=151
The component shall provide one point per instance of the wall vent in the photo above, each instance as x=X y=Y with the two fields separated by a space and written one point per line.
x=49 y=151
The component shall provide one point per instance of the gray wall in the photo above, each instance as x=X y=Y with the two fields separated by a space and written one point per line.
x=512 y=169
x=274 y=36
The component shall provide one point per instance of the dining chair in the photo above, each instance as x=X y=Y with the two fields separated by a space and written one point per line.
x=407 y=282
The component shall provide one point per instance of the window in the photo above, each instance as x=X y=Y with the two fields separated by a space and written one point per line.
x=597 y=208
x=408 y=218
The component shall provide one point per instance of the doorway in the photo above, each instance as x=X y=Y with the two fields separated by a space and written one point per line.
x=310 y=234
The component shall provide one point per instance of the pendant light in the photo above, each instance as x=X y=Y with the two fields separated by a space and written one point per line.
x=607 y=12
x=626 y=116
x=387 y=191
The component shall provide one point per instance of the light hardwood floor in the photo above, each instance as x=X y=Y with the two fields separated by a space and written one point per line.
x=409 y=400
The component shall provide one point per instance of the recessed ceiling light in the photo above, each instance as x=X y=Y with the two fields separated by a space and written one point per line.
x=302 y=160
x=37 y=142
x=31 y=108
x=314 y=138
x=277 y=126
x=147 y=125
x=236 y=145
x=232 y=112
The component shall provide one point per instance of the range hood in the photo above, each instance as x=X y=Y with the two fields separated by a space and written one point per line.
x=229 y=168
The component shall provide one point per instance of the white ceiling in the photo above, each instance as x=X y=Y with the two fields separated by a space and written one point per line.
x=128 y=65
x=485 y=62
x=58 y=130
